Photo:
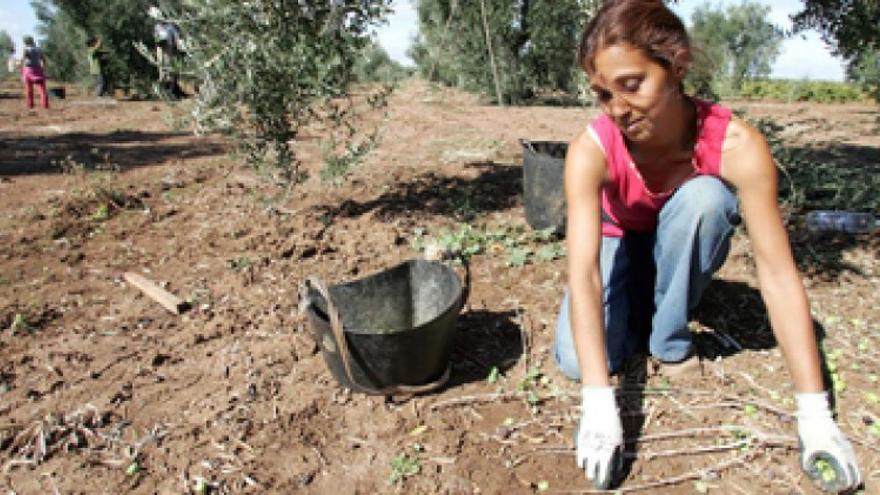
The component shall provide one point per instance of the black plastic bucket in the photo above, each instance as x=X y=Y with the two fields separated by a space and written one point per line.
x=543 y=179
x=398 y=327
x=58 y=92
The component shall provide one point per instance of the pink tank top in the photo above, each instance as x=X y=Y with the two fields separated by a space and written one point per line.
x=627 y=203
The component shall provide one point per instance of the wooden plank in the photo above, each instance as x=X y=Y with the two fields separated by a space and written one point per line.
x=168 y=300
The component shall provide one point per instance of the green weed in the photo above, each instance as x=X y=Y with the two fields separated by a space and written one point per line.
x=750 y=410
x=240 y=263
x=402 y=467
x=518 y=256
x=20 y=324
x=102 y=213
x=825 y=470
x=515 y=243
x=550 y=252
x=493 y=375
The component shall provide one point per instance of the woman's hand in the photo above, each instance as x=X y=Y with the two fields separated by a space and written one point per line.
x=599 y=449
x=826 y=455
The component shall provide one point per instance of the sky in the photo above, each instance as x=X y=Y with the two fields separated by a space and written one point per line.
x=17 y=18
x=800 y=57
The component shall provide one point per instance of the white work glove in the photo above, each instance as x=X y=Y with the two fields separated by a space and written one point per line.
x=599 y=438
x=826 y=455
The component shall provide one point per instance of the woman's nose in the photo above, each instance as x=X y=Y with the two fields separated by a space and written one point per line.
x=618 y=106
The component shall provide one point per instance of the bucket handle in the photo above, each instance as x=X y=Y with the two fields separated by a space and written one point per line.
x=339 y=335
x=528 y=144
x=466 y=287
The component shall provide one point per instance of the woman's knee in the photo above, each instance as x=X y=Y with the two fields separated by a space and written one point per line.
x=704 y=199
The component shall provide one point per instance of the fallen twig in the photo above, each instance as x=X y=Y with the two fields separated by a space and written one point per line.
x=675 y=480
x=477 y=399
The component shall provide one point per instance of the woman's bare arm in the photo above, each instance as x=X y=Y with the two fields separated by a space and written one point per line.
x=748 y=165
x=584 y=174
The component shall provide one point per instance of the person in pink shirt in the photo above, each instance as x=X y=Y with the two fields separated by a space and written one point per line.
x=33 y=62
x=660 y=179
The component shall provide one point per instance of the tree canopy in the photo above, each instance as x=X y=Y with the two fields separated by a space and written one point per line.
x=851 y=27
x=6 y=46
x=66 y=25
x=268 y=68
x=533 y=44
x=739 y=41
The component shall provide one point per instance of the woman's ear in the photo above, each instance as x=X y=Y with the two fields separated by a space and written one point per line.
x=681 y=63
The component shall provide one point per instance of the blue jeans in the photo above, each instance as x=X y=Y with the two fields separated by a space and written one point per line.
x=690 y=243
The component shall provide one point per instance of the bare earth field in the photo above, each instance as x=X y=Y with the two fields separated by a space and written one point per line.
x=103 y=391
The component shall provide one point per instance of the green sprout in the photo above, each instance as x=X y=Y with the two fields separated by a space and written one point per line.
x=825 y=470
x=533 y=398
x=20 y=323
x=101 y=213
x=402 y=467
x=133 y=468
x=550 y=252
x=518 y=257
x=493 y=375
x=240 y=263
x=545 y=235
x=531 y=379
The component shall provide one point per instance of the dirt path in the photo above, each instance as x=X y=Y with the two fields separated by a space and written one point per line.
x=102 y=391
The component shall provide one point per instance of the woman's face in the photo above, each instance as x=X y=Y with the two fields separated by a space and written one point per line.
x=634 y=90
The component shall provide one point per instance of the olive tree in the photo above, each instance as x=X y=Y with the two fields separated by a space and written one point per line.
x=852 y=28
x=532 y=43
x=864 y=70
x=268 y=68
x=739 y=41
x=6 y=46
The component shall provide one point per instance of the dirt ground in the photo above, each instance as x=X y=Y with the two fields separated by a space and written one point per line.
x=103 y=391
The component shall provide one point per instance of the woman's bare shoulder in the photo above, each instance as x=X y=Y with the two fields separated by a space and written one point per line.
x=585 y=153
x=744 y=152
x=741 y=136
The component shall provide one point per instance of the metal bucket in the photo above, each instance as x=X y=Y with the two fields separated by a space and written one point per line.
x=390 y=332
x=543 y=184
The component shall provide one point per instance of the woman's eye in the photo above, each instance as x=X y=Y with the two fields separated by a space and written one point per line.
x=631 y=84
x=602 y=95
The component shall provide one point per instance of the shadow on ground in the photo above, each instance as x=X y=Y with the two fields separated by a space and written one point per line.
x=25 y=155
x=485 y=340
x=497 y=187
x=736 y=310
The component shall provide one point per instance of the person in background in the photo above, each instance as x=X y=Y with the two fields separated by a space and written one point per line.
x=11 y=61
x=33 y=63
x=167 y=52
x=96 y=67
x=660 y=178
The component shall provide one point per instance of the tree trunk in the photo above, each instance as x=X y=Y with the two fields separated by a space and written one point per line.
x=491 y=54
